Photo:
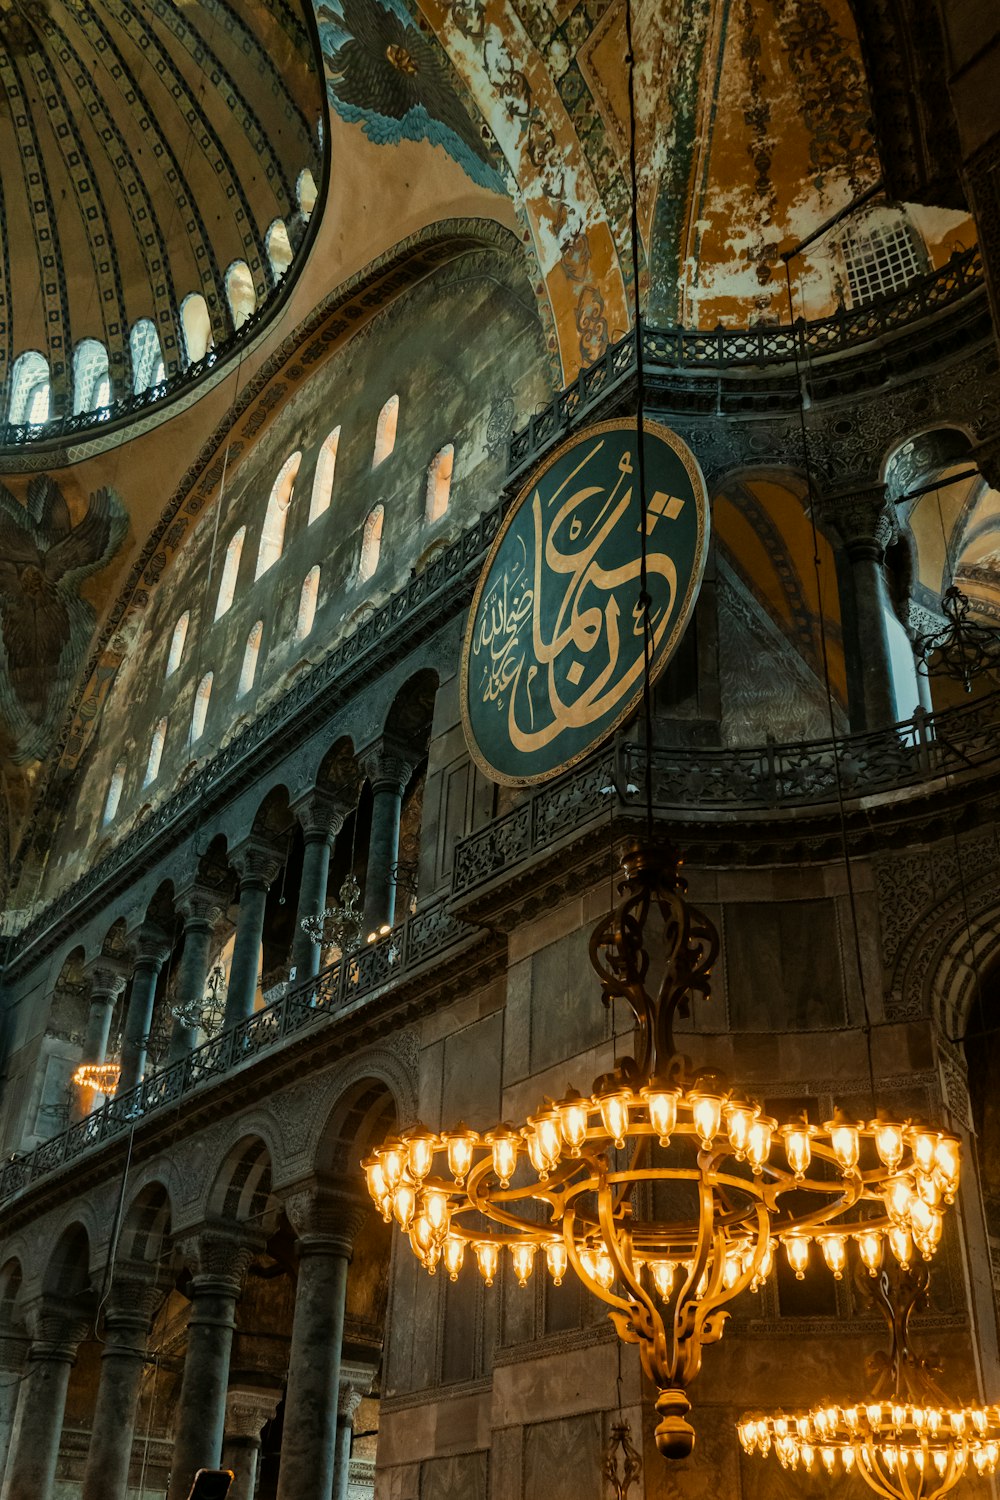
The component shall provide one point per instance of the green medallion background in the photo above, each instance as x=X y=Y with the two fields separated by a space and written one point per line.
x=553 y=651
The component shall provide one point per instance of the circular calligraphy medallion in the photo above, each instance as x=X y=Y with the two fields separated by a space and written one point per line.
x=554 y=646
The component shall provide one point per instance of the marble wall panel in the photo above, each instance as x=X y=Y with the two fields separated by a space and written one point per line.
x=562 y=1459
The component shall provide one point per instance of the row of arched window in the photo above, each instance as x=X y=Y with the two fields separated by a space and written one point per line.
x=30 y=385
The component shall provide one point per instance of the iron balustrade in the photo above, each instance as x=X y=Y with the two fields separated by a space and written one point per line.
x=426 y=935
x=769 y=777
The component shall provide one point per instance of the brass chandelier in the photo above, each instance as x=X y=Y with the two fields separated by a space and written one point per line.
x=907 y=1439
x=663 y=1190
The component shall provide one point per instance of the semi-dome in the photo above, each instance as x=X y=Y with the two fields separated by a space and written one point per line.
x=159 y=163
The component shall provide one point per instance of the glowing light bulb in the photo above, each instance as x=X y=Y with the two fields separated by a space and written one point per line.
x=557 y=1260
x=488 y=1257
x=378 y=1189
x=393 y=1163
x=759 y=1142
x=948 y=1161
x=661 y=1105
x=422 y=1235
x=847 y=1457
x=453 y=1254
x=870 y=1249
x=798 y=1148
x=928 y=1189
x=829 y=1458
x=739 y=1117
x=420 y=1152
x=604 y=1271
x=732 y=1270
x=797 y=1252
x=924 y=1149
x=834 y=1249
x=437 y=1207
x=899 y=1196
x=536 y=1153
x=663 y=1273
x=614 y=1114
x=404 y=1203
x=503 y=1143
x=846 y=1145
x=706 y=1113
x=901 y=1244
x=927 y=1224
x=889 y=1143
x=522 y=1253
x=546 y=1128
x=461 y=1144
x=573 y=1120
x=807 y=1455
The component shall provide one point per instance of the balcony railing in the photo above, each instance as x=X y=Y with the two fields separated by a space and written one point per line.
x=427 y=934
x=771 y=777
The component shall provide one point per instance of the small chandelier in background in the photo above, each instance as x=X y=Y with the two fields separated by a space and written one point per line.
x=960 y=649
x=662 y=1189
x=208 y=1014
x=906 y=1439
x=340 y=929
x=99 y=1077
x=624 y=1471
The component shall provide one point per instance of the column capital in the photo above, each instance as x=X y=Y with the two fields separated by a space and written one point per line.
x=388 y=764
x=326 y=1216
x=321 y=814
x=108 y=974
x=134 y=1296
x=986 y=456
x=57 y=1326
x=220 y=1255
x=257 y=862
x=248 y=1408
x=861 y=515
x=201 y=904
x=348 y=1401
x=151 y=946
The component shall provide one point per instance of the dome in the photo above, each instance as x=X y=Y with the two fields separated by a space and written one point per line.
x=160 y=164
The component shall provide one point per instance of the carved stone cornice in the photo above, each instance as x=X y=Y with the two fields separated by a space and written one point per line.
x=327 y=1217
x=322 y=814
x=861 y=516
x=387 y=763
x=257 y=862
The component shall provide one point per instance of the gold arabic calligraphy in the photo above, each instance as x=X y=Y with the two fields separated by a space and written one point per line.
x=510 y=639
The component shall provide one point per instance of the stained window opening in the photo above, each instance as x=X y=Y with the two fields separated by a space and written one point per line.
x=279 y=249
x=114 y=796
x=200 y=711
x=385 y=431
x=196 y=326
x=240 y=293
x=305 y=189
x=177 y=640
x=307 y=604
x=230 y=572
x=881 y=258
x=326 y=468
x=272 y=536
x=439 y=482
x=147 y=356
x=371 y=543
x=29 y=388
x=155 y=752
x=91 y=380
x=251 y=652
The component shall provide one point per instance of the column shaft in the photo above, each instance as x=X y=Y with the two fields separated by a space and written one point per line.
x=110 y=1453
x=874 y=662
x=310 y=1430
x=305 y=954
x=241 y=1454
x=201 y=1411
x=138 y=1021
x=242 y=989
x=383 y=852
x=342 y=1457
x=192 y=972
x=95 y=1041
x=34 y=1444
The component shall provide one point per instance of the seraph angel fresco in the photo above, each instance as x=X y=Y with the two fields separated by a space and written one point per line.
x=45 y=626
x=387 y=76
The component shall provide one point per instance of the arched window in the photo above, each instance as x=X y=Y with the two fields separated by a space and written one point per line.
x=439 y=482
x=272 y=535
x=279 y=249
x=177 y=640
x=200 y=711
x=326 y=468
x=239 y=290
x=371 y=543
x=230 y=572
x=305 y=191
x=196 y=326
x=147 y=356
x=114 y=793
x=29 y=388
x=385 y=431
x=307 y=604
x=251 y=652
x=155 y=752
x=91 y=378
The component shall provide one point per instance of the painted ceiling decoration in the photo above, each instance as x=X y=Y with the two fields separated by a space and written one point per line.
x=145 y=146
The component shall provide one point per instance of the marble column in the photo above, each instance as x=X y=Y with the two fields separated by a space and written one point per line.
x=222 y=1259
x=326 y=1221
x=56 y=1330
x=258 y=864
x=248 y=1409
x=347 y=1406
x=201 y=907
x=132 y=1302
x=322 y=818
x=108 y=977
x=152 y=947
x=862 y=519
x=13 y=1348
x=388 y=771
x=922 y=622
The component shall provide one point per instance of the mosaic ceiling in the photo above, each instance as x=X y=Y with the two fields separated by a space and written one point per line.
x=145 y=146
